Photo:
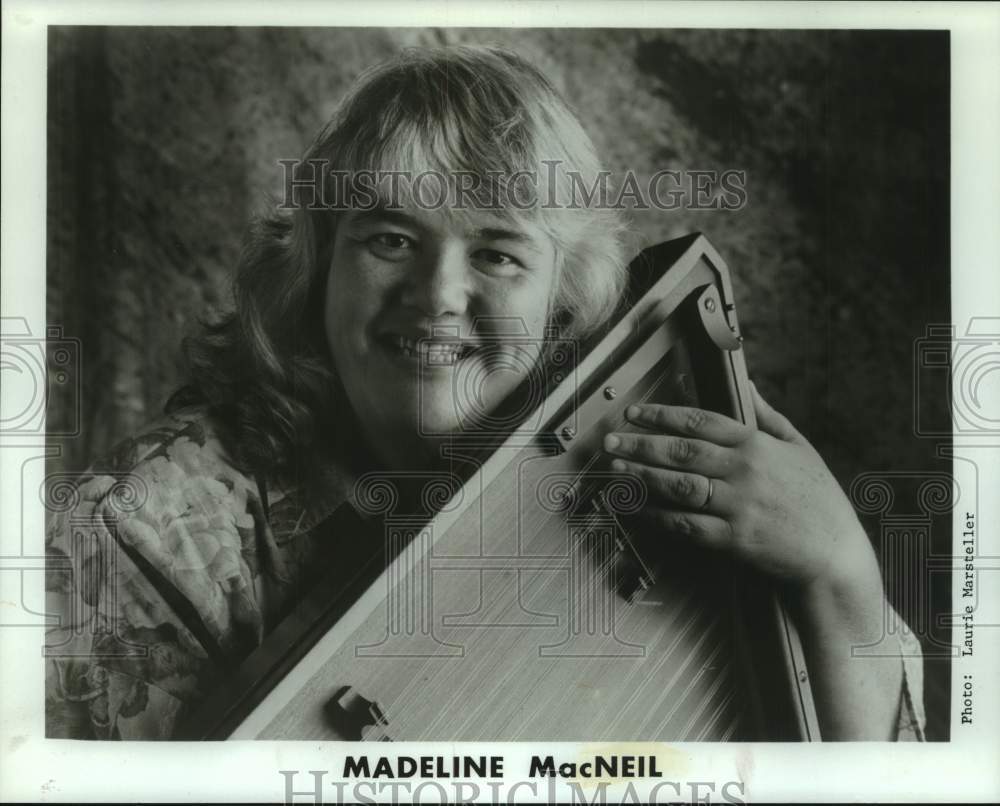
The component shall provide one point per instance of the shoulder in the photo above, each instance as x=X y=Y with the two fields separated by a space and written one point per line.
x=175 y=475
x=190 y=439
x=181 y=456
x=173 y=500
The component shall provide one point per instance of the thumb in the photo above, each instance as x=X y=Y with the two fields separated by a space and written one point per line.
x=771 y=421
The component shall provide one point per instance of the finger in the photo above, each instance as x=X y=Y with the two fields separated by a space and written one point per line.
x=771 y=421
x=689 y=490
x=692 y=422
x=697 y=528
x=664 y=450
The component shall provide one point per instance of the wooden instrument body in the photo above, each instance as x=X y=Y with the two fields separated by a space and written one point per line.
x=509 y=614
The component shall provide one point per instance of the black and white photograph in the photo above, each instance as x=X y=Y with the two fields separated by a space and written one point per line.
x=556 y=405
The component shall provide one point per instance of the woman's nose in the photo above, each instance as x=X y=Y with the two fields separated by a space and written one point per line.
x=440 y=284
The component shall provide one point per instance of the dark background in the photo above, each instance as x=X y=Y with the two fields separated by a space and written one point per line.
x=162 y=142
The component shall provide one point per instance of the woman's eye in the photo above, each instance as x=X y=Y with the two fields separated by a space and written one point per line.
x=391 y=246
x=497 y=261
x=391 y=240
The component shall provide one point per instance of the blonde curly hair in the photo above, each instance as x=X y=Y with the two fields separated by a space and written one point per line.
x=483 y=111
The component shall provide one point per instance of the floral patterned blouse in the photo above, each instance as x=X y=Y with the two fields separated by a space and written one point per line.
x=166 y=567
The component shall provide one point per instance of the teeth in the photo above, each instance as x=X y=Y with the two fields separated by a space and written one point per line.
x=433 y=353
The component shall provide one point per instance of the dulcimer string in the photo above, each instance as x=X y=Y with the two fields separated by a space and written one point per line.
x=594 y=543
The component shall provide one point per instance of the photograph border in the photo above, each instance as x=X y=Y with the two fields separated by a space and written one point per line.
x=37 y=769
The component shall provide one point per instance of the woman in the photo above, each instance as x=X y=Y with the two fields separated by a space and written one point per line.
x=355 y=309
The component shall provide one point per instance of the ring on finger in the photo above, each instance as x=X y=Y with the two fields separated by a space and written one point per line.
x=711 y=492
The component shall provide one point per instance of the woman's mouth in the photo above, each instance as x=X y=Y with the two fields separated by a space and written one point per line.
x=427 y=352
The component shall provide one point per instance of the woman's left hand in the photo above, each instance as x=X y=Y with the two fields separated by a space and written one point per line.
x=764 y=494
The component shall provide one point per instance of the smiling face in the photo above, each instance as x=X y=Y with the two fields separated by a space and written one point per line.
x=433 y=318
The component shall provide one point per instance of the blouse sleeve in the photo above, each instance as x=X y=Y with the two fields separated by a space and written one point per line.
x=151 y=590
x=912 y=721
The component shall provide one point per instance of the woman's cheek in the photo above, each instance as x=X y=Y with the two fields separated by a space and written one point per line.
x=526 y=299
